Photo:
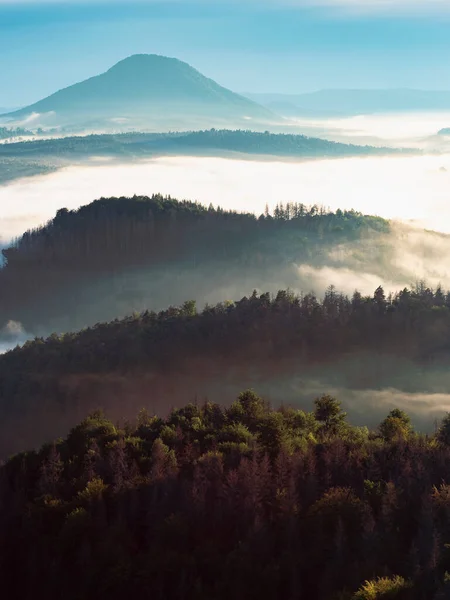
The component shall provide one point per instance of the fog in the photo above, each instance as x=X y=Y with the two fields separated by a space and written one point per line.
x=414 y=188
x=400 y=130
x=411 y=190
x=121 y=396
x=11 y=335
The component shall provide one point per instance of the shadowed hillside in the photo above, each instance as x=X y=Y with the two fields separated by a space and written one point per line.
x=282 y=343
x=122 y=254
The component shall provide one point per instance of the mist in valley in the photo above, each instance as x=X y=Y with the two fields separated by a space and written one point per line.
x=397 y=129
x=411 y=190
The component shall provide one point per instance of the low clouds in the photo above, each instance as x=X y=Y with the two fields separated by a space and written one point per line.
x=11 y=335
x=406 y=188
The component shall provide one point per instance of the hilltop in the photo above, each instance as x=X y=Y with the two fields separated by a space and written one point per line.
x=117 y=255
x=212 y=141
x=63 y=151
x=151 y=88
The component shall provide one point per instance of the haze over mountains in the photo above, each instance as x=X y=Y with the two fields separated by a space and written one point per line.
x=342 y=102
x=128 y=254
x=143 y=90
x=225 y=316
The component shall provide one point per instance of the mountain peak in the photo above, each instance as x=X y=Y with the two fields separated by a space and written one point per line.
x=146 y=61
x=150 y=87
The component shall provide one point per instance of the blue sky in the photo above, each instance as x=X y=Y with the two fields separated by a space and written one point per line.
x=288 y=46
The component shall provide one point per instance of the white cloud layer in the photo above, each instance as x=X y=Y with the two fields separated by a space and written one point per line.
x=406 y=188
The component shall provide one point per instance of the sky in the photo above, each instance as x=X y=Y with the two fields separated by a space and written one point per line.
x=286 y=46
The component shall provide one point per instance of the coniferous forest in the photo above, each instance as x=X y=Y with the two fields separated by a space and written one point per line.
x=118 y=255
x=215 y=495
x=241 y=392
x=154 y=359
x=243 y=502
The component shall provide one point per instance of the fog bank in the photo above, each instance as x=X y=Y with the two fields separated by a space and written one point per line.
x=406 y=188
x=401 y=129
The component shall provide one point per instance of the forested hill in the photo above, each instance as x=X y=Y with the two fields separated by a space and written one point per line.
x=251 y=142
x=114 y=231
x=155 y=359
x=49 y=270
x=241 y=502
x=212 y=141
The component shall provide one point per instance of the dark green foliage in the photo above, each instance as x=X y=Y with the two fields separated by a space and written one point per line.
x=329 y=414
x=111 y=232
x=396 y=425
x=105 y=364
x=444 y=431
x=223 y=503
x=106 y=259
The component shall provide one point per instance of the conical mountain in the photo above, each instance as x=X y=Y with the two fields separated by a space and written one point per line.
x=145 y=86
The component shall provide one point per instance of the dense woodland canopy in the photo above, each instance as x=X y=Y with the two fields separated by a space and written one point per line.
x=224 y=499
x=47 y=383
x=244 y=502
x=49 y=270
x=147 y=229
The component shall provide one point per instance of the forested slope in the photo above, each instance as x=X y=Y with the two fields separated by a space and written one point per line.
x=244 y=502
x=117 y=255
x=211 y=141
x=156 y=359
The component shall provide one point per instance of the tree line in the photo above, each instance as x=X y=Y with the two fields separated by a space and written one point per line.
x=48 y=270
x=278 y=144
x=242 y=502
x=130 y=229
x=213 y=140
x=6 y=133
x=69 y=372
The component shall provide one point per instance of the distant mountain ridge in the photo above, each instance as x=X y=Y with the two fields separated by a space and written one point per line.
x=144 y=86
x=357 y=101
